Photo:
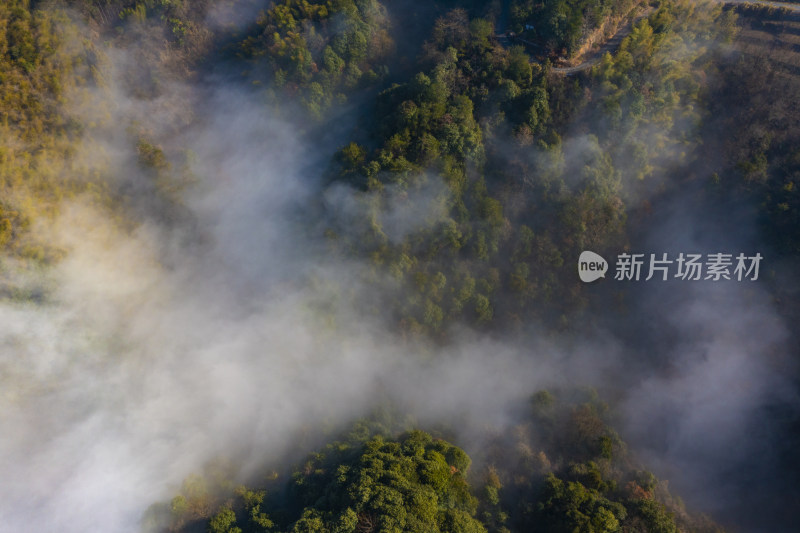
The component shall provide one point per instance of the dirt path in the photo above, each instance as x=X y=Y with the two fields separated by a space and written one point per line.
x=777 y=5
x=609 y=46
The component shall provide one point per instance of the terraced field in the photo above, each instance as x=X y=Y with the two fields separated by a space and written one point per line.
x=771 y=36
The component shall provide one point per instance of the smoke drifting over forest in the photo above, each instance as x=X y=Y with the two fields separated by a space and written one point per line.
x=710 y=417
x=158 y=350
x=213 y=322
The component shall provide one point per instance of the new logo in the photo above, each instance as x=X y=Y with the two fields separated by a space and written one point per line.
x=591 y=266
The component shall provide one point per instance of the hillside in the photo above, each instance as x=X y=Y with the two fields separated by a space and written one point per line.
x=310 y=266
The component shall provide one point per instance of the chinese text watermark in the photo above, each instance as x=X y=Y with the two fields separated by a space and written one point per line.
x=684 y=266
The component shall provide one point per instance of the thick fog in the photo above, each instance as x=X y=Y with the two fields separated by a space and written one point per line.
x=157 y=346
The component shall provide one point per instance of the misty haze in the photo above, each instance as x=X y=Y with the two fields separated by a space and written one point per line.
x=356 y=266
